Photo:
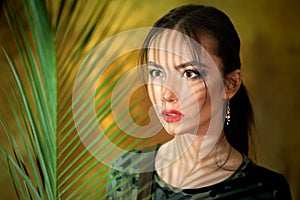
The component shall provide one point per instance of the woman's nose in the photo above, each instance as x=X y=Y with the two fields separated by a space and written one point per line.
x=168 y=96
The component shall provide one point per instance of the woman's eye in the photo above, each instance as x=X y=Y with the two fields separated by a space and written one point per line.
x=156 y=73
x=191 y=74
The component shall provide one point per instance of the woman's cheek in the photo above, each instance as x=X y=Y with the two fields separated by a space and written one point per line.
x=153 y=93
x=200 y=92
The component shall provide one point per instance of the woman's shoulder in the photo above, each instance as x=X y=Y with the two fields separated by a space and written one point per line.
x=125 y=172
x=135 y=161
x=259 y=181
x=260 y=173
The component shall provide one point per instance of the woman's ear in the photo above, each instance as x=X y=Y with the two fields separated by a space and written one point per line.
x=233 y=81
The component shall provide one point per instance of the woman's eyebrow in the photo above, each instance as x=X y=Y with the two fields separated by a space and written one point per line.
x=191 y=63
x=151 y=63
x=183 y=65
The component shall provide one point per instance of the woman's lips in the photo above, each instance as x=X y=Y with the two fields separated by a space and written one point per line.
x=171 y=115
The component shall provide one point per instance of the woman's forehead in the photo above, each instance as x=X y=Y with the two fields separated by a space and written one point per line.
x=172 y=48
x=167 y=58
x=173 y=42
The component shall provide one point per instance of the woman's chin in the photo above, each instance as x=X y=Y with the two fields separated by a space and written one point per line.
x=171 y=133
x=173 y=129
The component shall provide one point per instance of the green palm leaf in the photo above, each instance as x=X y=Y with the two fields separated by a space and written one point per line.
x=50 y=160
x=40 y=171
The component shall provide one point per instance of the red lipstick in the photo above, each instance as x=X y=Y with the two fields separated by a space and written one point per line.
x=171 y=115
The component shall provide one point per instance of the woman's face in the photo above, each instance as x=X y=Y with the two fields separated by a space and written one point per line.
x=180 y=84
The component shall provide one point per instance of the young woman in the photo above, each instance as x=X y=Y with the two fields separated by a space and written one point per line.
x=194 y=82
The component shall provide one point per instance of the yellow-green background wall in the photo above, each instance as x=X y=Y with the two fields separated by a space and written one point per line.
x=270 y=34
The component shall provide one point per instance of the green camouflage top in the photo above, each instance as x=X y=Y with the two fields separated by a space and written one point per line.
x=250 y=181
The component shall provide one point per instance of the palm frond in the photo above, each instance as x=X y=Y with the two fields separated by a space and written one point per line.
x=58 y=151
x=39 y=170
x=52 y=161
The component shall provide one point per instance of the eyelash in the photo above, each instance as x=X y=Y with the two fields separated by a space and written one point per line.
x=195 y=73
x=151 y=72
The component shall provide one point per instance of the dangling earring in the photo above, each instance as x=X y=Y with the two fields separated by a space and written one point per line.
x=227 y=116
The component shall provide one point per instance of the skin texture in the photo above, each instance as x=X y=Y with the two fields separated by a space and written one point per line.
x=188 y=93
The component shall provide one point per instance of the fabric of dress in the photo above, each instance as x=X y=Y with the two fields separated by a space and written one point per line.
x=249 y=182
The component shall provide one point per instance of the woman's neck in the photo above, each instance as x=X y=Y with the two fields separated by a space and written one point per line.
x=181 y=164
